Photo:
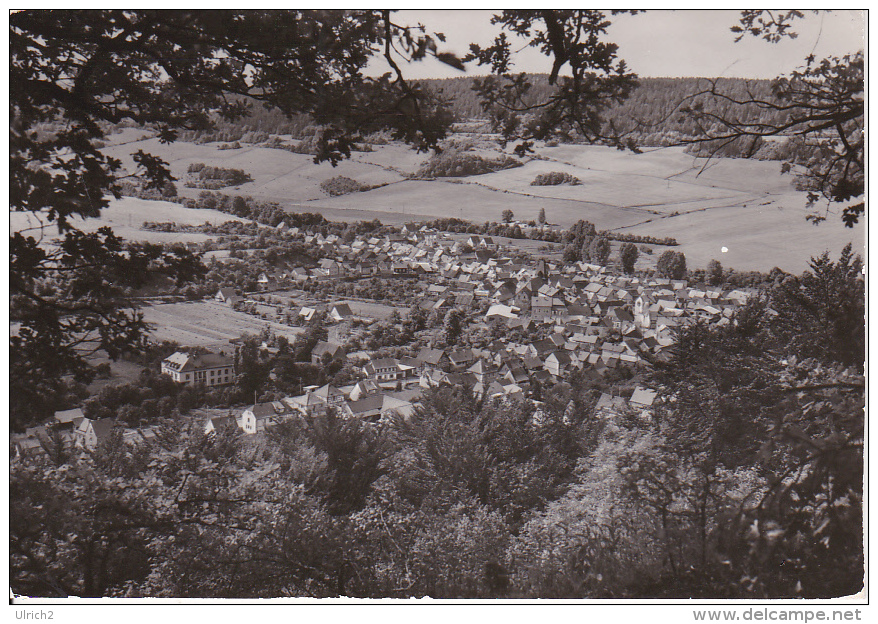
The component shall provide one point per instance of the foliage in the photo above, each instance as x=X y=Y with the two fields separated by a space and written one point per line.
x=555 y=178
x=821 y=104
x=340 y=185
x=714 y=273
x=74 y=300
x=599 y=250
x=508 y=216
x=821 y=313
x=672 y=264
x=628 y=254
x=74 y=74
x=216 y=177
x=576 y=102
x=455 y=162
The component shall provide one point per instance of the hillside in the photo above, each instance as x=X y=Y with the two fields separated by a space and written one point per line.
x=648 y=113
x=746 y=206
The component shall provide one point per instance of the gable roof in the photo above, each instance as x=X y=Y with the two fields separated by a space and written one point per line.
x=342 y=309
x=68 y=416
x=643 y=396
x=103 y=427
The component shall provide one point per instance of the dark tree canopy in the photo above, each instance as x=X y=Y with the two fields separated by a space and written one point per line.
x=573 y=40
x=628 y=254
x=672 y=264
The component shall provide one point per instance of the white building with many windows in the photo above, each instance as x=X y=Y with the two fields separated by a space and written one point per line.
x=208 y=368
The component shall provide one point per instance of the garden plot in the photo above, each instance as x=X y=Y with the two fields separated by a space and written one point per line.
x=206 y=324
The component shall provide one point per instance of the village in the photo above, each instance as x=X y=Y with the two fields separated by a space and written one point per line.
x=530 y=323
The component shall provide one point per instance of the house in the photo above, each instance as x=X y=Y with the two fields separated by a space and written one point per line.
x=341 y=312
x=211 y=369
x=385 y=369
x=460 y=360
x=261 y=416
x=69 y=419
x=362 y=388
x=227 y=296
x=265 y=280
x=401 y=268
x=219 y=423
x=333 y=350
x=330 y=395
x=299 y=274
x=433 y=359
x=307 y=404
x=90 y=433
x=500 y=311
x=482 y=371
x=307 y=313
x=330 y=267
x=642 y=400
x=558 y=363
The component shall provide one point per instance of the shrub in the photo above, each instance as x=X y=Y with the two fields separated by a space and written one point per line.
x=216 y=177
x=456 y=163
x=340 y=185
x=555 y=178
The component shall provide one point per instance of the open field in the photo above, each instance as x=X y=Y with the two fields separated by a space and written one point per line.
x=746 y=206
x=757 y=237
x=206 y=324
x=474 y=202
x=121 y=372
x=377 y=311
x=126 y=217
x=278 y=175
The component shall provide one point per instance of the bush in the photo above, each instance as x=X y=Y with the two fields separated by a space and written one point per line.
x=340 y=185
x=216 y=177
x=555 y=178
x=456 y=163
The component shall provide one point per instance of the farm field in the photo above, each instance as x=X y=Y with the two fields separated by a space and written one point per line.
x=757 y=237
x=746 y=206
x=206 y=324
x=471 y=201
x=278 y=175
x=126 y=216
x=628 y=190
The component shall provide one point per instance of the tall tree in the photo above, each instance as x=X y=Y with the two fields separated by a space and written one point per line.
x=714 y=273
x=541 y=219
x=672 y=264
x=573 y=40
x=628 y=255
x=822 y=312
x=599 y=250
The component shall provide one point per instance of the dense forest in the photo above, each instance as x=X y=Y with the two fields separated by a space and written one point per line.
x=654 y=114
